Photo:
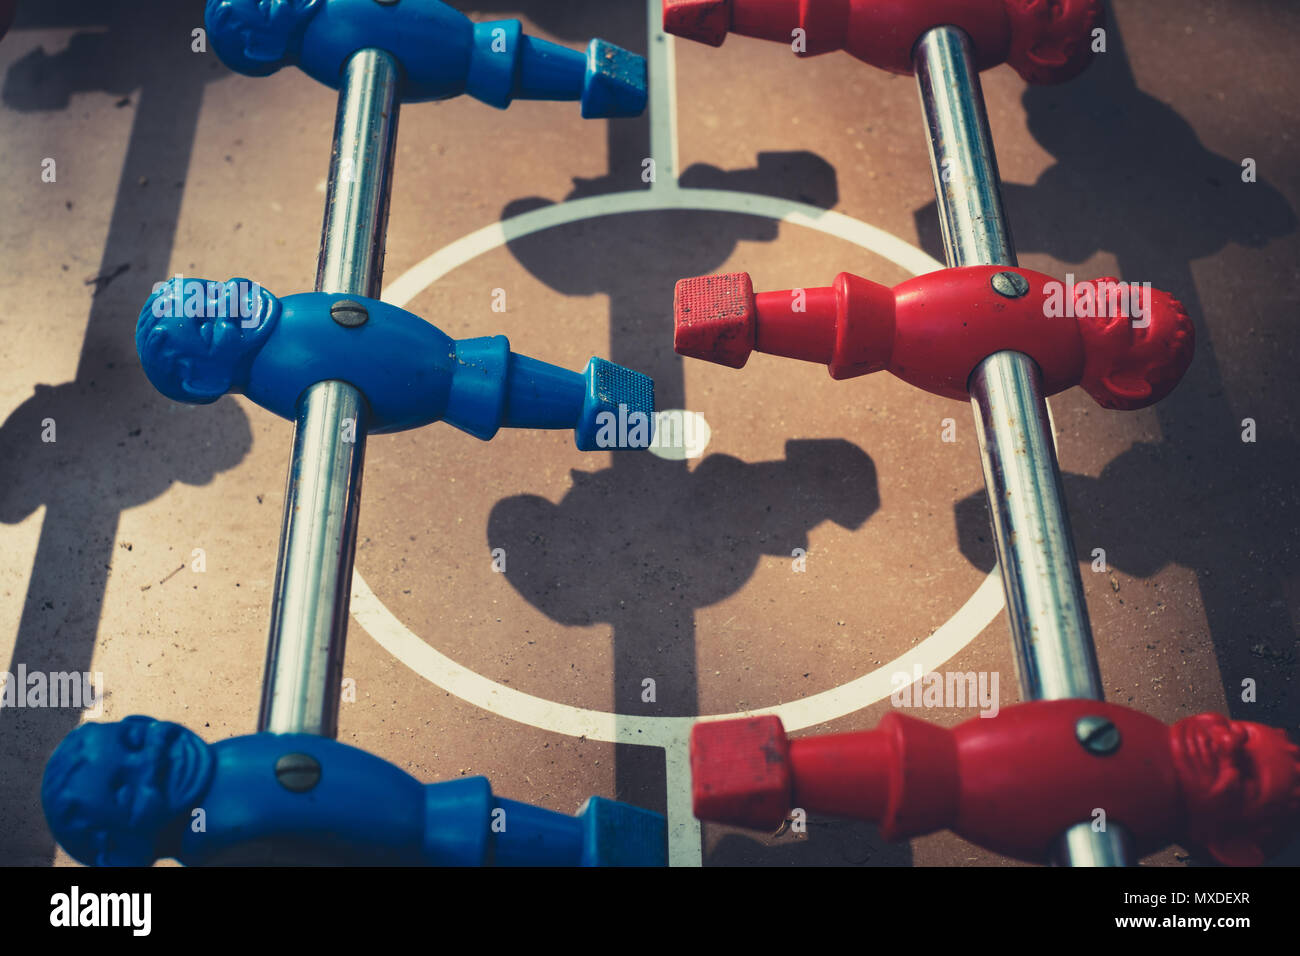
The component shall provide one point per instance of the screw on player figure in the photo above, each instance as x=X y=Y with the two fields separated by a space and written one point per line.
x=198 y=340
x=1015 y=782
x=130 y=792
x=933 y=330
x=442 y=53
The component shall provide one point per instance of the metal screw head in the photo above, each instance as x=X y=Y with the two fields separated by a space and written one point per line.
x=297 y=772
x=348 y=313
x=1010 y=284
x=1098 y=735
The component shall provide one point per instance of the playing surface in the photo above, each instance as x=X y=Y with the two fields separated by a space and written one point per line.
x=827 y=532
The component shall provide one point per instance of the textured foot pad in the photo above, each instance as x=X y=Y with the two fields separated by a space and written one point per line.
x=715 y=319
x=618 y=834
x=740 y=772
x=704 y=20
x=618 y=410
x=615 y=84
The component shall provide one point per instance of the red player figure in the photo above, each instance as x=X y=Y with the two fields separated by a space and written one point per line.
x=1045 y=41
x=1014 y=783
x=1127 y=344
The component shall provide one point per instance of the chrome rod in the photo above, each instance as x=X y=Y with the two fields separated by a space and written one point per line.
x=1081 y=845
x=1052 y=639
x=1031 y=530
x=313 y=579
x=361 y=176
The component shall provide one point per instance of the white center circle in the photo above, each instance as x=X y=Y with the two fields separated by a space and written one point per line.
x=955 y=633
x=671 y=733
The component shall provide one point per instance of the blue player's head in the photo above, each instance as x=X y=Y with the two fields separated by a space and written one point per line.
x=197 y=338
x=257 y=37
x=111 y=789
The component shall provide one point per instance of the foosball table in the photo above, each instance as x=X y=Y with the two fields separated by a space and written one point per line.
x=1063 y=776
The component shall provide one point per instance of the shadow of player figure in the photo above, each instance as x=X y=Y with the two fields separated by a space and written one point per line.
x=667 y=567
x=642 y=548
x=1151 y=506
x=690 y=539
x=118 y=443
x=659 y=537
x=39 y=81
x=1133 y=179
x=635 y=259
x=642 y=551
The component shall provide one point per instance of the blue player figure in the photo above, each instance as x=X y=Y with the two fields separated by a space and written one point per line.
x=198 y=340
x=134 y=791
x=442 y=53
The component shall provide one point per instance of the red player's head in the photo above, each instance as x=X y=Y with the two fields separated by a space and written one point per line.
x=1138 y=341
x=1051 y=40
x=1241 y=785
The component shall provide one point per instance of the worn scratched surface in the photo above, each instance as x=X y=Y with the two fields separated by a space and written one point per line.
x=622 y=570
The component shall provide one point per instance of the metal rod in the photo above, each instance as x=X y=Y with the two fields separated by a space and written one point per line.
x=313 y=578
x=1031 y=529
x=1052 y=639
x=1081 y=845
